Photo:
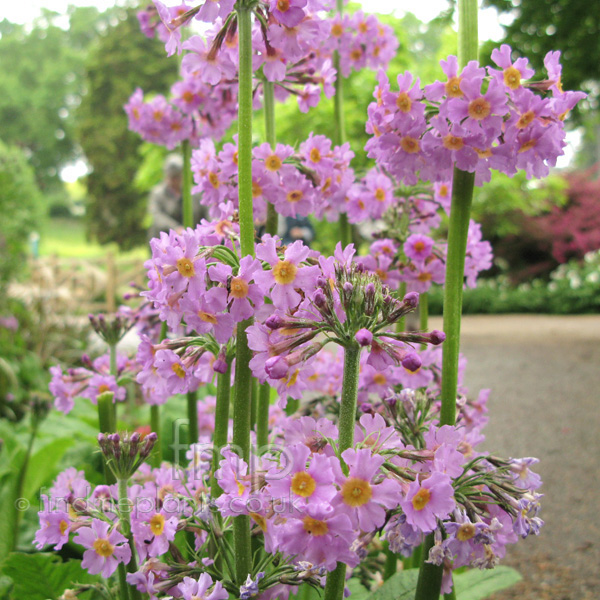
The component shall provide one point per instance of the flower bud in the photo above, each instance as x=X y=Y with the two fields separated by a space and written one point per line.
x=364 y=337
x=274 y=322
x=276 y=367
x=319 y=299
x=436 y=337
x=411 y=299
x=412 y=362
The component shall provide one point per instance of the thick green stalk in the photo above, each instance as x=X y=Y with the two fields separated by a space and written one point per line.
x=113 y=372
x=424 y=314
x=269 y=99
x=155 y=421
x=347 y=421
x=192 y=415
x=334 y=588
x=462 y=196
x=243 y=377
x=221 y=425
x=340 y=127
x=186 y=185
x=188 y=221
x=262 y=424
x=125 y=507
x=156 y=456
x=430 y=576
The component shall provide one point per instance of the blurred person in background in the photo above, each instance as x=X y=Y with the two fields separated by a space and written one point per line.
x=166 y=203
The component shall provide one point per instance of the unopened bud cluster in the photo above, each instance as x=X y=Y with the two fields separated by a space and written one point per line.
x=124 y=453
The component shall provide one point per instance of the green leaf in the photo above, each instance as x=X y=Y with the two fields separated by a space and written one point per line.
x=477 y=585
x=400 y=586
x=43 y=465
x=42 y=576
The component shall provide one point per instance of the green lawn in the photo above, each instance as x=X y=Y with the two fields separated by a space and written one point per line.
x=66 y=238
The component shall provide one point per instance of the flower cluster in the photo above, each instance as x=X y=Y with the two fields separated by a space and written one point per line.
x=195 y=110
x=477 y=120
x=313 y=180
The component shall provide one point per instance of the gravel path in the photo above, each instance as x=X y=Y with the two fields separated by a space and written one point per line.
x=544 y=372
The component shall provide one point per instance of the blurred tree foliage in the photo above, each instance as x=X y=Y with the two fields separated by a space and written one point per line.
x=121 y=60
x=571 y=26
x=41 y=85
x=20 y=208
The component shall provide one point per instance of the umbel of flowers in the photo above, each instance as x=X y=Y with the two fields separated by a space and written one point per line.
x=380 y=459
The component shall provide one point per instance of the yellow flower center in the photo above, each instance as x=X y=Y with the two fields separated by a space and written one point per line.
x=157 y=524
x=479 y=109
x=419 y=246
x=443 y=191
x=356 y=492
x=315 y=155
x=256 y=190
x=103 y=547
x=379 y=379
x=424 y=276
x=337 y=30
x=315 y=527
x=207 y=317
x=452 y=142
x=235 y=157
x=63 y=526
x=465 y=532
x=284 y=272
x=303 y=484
x=103 y=388
x=403 y=102
x=273 y=163
x=238 y=288
x=512 y=78
x=178 y=370
x=453 y=88
x=409 y=144
x=283 y=5
x=259 y=520
x=186 y=267
x=379 y=195
x=356 y=54
x=527 y=145
x=294 y=196
x=291 y=380
x=485 y=153
x=421 y=499
x=525 y=119
x=214 y=179
x=188 y=96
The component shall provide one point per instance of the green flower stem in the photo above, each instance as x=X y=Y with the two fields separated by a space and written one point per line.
x=430 y=576
x=401 y=322
x=269 y=100
x=340 y=127
x=424 y=314
x=462 y=196
x=155 y=421
x=192 y=415
x=334 y=588
x=186 y=185
x=113 y=372
x=391 y=563
x=188 y=221
x=125 y=521
x=262 y=425
x=243 y=377
x=123 y=585
x=156 y=456
x=221 y=425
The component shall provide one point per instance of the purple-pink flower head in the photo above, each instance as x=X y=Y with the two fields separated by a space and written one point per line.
x=418 y=246
x=428 y=500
